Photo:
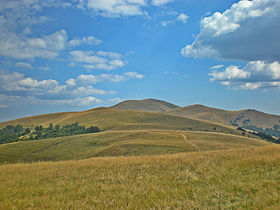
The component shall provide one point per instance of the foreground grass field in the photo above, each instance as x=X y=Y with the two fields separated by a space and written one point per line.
x=233 y=179
x=121 y=143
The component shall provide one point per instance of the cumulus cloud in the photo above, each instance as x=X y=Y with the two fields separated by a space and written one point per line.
x=160 y=2
x=15 y=86
x=248 y=31
x=180 y=18
x=91 y=40
x=183 y=18
x=92 y=79
x=99 y=60
x=114 y=8
x=20 y=47
x=119 y=8
x=81 y=101
x=24 y=65
x=254 y=75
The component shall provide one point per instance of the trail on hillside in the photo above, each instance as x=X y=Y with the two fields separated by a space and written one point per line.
x=186 y=139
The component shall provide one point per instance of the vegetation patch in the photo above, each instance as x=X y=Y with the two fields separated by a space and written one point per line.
x=232 y=179
x=16 y=133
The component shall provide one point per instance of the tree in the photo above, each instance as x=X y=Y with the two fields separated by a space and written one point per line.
x=50 y=126
x=57 y=127
x=92 y=129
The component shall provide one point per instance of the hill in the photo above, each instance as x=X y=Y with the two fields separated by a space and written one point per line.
x=151 y=105
x=122 y=143
x=111 y=119
x=249 y=118
x=232 y=179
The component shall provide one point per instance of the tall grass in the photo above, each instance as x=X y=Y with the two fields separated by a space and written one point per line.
x=234 y=179
x=121 y=143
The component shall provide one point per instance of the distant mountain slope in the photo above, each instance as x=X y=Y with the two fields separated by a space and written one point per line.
x=111 y=119
x=151 y=105
x=243 y=118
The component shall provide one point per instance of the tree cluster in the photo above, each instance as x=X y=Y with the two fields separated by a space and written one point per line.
x=12 y=133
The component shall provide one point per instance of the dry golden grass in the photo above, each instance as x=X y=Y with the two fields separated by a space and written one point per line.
x=224 y=117
x=121 y=143
x=110 y=119
x=233 y=179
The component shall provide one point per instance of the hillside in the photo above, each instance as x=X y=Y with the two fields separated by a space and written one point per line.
x=241 y=118
x=111 y=119
x=151 y=105
x=122 y=143
x=232 y=179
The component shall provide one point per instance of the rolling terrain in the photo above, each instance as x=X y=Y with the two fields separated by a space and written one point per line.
x=226 y=179
x=125 y=133
x=248 y=119
x=158 y=156
x=122 y=143
x=241 y=118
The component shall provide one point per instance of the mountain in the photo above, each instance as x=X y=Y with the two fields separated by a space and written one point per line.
x=128 y=132
x=151 y=105
x=248 y=118
x=112 y=119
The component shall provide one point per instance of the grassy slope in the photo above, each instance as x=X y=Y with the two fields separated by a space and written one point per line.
x=257 y=118
x=233 y=179
x=110 y=119
x=145 y=105
x=116 y=143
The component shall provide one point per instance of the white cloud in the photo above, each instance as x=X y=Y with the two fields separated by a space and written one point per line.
x=109 y=54
x=81 y=101
x=90 y=90
x=16 y=21
x=91 y=40
x=255 y=75
x=78 y=101
x=44 y=68
x=71 y=82
x=119 y=8
x=114 y=100
x=183 y=18
x=99 y=60
x=24 y=65
x=249 y=30
x=114 y=8
x=160 y=2
x=47 y=46
x=92 y=79
x=180 y=18
x=217 y=67
x=134 y=75
x=15 y=86
x=17 y=82
x=86 y=57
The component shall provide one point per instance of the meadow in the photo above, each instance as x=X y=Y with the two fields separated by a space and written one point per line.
x=121 y=143
x=232 y=179
x=139 y=160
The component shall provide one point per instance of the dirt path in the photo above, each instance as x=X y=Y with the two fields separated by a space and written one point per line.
x=186 y=139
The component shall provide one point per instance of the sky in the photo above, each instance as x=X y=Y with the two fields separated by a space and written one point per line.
x=58 y=56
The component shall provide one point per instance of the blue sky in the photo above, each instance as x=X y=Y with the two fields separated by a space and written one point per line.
x=75 y=55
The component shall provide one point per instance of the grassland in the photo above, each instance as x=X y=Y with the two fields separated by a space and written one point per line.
x=110 y=119
x=247 y=117
x=121 y=143
x=151 y=105
x=140 y=160
x=233 y=179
